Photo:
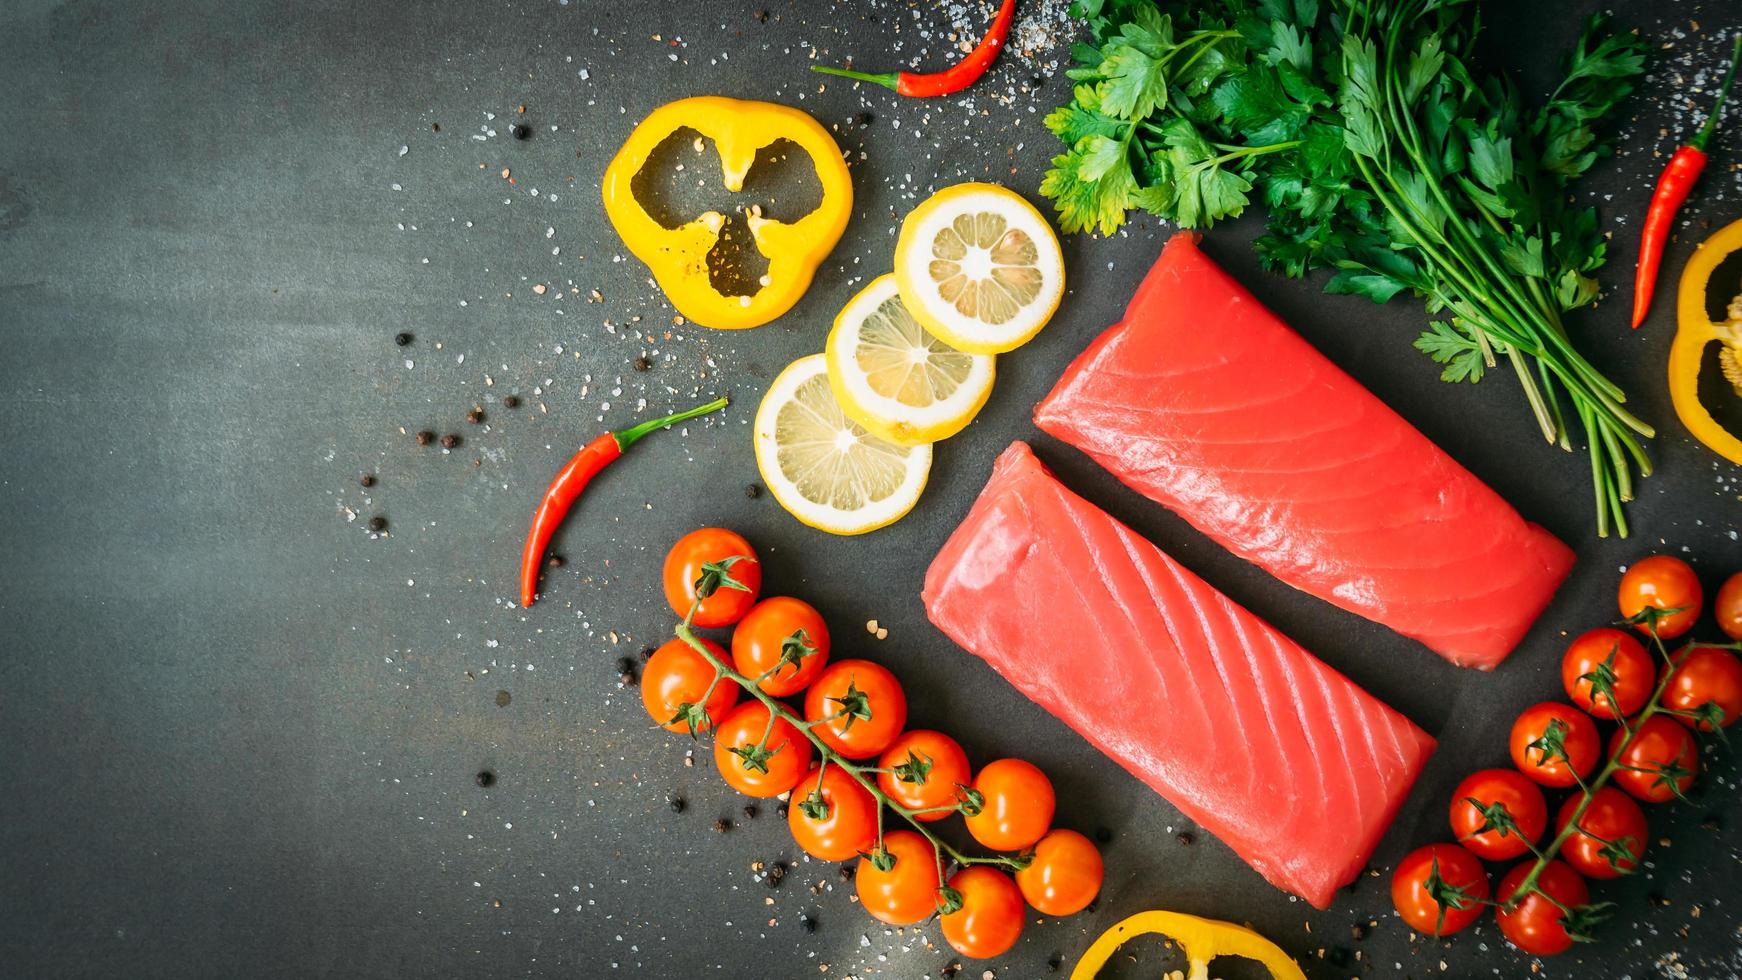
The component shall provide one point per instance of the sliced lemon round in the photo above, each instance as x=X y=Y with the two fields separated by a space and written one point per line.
x=979 y=267
x=823 y=467
x=895 y=379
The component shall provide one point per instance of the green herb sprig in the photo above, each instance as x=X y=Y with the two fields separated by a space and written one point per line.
x=1382 y=151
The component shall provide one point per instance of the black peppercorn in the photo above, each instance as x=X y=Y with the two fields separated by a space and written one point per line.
x=750 y=811
x=846 y=872
x=642 y=364
x=676 y=803
x=377 y=523
x=1184 y=839
x=781 y=810
x=864 y=118
x=367 y=480
x=554 y=561
x=475 y=416
x=806 y=922
x=1339 y=956
x=1358 y=931
x=485 y=778
x=1103 y=834
x=1053 y=963
x=402 y=339
x=722 y=825
x=752 y=491
x=450 y=440
x=520 y=131
x=512 y=401
x=425 y=437
x=625 y=665
x=761 y=16
x=647 y=653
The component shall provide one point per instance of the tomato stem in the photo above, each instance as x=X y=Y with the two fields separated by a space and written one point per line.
x=1588 y=791
x=859 y=774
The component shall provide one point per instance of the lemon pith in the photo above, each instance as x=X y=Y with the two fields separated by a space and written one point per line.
x=825 y=469
x=894 y=378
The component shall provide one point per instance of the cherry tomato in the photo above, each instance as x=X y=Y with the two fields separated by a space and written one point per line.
x=1016 y=805
x=722 y=556
x=1552 y=743
x=1612 y=826
x=990 y=919
x=1705 y=676
x=864 y=705
x=783 y=635
x=1064 y=874
x=832 y=817
x=905 y=891
x=1439 y=889
x=1612 y=658
x=1659 y=763
x=1535 y=925
x=674 y=681
x=1728 y=607
x=770 y=770
x=922 y=770
x=1498 y=814
x=1663 y=582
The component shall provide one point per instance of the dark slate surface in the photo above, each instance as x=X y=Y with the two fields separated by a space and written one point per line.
x=241 y=732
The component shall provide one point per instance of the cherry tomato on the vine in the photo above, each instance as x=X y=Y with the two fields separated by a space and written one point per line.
x=904 y=890
x=1554 y=744
x=754 y=767
x=1660 y=762
x=1537 y=925
x=921 y=770
x=833 y=818
x=1728 y=607
x=1498 y=813
x=860 y=705
x=1613 y=661
x=675 y=679
x=1611 y=835
x=1439 y=889
x=1666 y=583
x=783 y=635
x=728 y=564
x=989 y=920
x=1707 y=682
x=1016 y=805
x=1063 y=874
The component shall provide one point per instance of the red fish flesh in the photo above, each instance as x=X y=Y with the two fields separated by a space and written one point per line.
x=1256 y=740
x=1204 y=401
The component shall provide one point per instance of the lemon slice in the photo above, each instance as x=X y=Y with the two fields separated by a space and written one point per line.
x=824 y=468
x=979 y=267
x=895 y=379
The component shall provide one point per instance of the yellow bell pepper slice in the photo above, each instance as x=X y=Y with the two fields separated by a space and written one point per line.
x=678 y=256
x=1202 y=940
x=1694 y=330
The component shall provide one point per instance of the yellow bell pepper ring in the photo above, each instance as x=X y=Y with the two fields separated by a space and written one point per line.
x=1202 y=940
x=1694 y=330
x=679 y=256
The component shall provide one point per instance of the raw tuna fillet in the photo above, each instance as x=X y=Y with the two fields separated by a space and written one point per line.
x=1284 y=759
x=1204 y=401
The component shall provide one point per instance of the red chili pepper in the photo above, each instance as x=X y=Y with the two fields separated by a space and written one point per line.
x=965 y=73
x=573 y=478
x=1673 y=186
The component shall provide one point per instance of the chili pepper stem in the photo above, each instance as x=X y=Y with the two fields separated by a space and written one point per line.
x=628 y=437
x=829 y=755
x=887 y=79
x=1711 y=125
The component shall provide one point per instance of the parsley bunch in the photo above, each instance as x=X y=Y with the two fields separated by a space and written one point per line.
x=1381 y=150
